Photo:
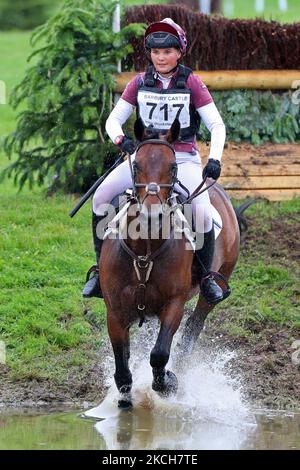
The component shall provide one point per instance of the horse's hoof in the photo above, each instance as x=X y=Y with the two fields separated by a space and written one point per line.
x=166 y=387
x=125 y=405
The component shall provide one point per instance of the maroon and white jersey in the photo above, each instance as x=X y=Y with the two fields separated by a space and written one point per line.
x=200 y=99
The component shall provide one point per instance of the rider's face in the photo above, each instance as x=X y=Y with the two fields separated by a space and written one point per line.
x=164 y=60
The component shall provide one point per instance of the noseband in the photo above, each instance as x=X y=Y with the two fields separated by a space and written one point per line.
x=152 y=188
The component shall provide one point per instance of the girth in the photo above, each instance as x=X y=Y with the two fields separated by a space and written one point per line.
x=143 y=266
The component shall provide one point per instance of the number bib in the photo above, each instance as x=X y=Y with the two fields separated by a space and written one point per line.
x=160 y=109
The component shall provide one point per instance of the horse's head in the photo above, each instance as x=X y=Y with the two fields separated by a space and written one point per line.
x=154 y=168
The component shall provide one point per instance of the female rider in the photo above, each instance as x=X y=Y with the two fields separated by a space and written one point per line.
x=189 y=100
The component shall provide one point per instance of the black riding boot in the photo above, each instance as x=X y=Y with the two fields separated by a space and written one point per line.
x=209 y=288
x=92 y=286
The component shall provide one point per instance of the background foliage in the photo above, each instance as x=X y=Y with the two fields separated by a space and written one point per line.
x=257 y=116
x=66 y=96
x=59 y=138
x=25 y=14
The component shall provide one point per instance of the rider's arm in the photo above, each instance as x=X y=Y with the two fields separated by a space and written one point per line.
x=214 y=123
x=117 y=118
x=123 y=109
x=204 y=103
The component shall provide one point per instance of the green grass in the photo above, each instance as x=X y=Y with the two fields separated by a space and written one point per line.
x=44 y=256
x=265 y=283
x=43 y=259
x=245 y=9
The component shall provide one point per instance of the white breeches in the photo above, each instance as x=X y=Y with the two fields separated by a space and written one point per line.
x=189 y=173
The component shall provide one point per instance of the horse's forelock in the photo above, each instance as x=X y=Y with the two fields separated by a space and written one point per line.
x=155 y=158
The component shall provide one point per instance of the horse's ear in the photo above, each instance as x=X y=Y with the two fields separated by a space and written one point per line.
x=139 y=130
x=173 y=132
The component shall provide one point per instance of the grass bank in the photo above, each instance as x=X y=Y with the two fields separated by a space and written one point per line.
x=43 y=257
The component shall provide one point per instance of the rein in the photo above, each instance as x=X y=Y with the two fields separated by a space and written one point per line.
x=143 y=264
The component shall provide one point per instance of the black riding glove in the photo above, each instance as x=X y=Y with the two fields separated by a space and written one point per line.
x=212 y=169
x=127 y=146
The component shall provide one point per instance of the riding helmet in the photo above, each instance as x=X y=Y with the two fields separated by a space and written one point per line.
x=164 y=34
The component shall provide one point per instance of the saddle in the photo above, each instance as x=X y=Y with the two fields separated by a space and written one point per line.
x=121 y=200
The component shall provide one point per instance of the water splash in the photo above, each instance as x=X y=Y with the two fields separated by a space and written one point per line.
x=208 y=412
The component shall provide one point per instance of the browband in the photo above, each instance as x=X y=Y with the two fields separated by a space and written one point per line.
x=155 y=141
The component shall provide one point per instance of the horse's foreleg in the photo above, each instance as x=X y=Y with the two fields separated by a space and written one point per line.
x=119 y=336
x=165 y=382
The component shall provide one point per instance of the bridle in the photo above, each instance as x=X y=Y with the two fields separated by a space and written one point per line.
x=152 y=188
x=143 y=264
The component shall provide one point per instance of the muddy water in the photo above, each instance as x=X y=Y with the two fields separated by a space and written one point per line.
x=140 y=429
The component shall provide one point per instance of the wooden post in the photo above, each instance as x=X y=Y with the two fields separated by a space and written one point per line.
x=2 y=92
x=205 y=6
x=259 y=6
x=283 y=5
x=228 y=8
x=116 y=27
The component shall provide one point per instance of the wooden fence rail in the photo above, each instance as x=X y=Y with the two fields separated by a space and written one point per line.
x=235 y=79
x=271 y=171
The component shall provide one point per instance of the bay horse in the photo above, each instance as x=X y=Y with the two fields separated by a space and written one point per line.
x=153 y=277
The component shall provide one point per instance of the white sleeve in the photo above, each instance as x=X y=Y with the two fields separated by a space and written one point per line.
x=117 y=118
x=214 y=123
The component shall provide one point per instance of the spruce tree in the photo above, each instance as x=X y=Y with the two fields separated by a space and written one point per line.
x=60 y=137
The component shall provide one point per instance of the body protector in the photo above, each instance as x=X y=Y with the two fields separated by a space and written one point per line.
x=159 y=108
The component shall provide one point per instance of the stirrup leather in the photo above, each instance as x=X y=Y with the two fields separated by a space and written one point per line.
x=93 y=269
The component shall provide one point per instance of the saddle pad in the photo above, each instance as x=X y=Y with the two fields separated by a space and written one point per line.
x=218 y=224
x=217 y=220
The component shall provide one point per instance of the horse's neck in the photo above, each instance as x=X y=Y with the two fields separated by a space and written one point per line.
x=142 y=247
x=145 y=244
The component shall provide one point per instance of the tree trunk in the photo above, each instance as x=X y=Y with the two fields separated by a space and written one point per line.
x=216 y=6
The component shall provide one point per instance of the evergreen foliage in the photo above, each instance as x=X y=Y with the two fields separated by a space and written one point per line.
x=60 y=137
